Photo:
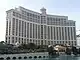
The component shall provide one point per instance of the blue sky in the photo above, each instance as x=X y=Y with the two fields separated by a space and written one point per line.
x=70 y=8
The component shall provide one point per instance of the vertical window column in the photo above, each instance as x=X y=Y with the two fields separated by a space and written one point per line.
x=36 y=31
x=13 y=26
x=6 y=27
x=47 y=35
x=16 y=27
x=57 y=33
x=24 y=29
x=53 y=32
x=33 y=30
x=70 y=32
x=49 y=32
x=64 y=33
x=74 y=33
x=10 y=27
x=28 y=30
x=21 y=30
x=41 y=31
x=19 y=27
x=61 y=32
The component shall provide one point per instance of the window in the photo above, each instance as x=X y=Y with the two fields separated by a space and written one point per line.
x=30 y=40
x=27 y=14
x=39 y=42
x=19 y=15
x=14 y=13
x=48 y=42
x=27 y=40
x=12 y=39
x=24 y=41
x=6 y=38
x=38 y=17
x=19 y=40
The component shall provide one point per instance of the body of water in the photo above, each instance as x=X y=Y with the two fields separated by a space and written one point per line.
x=63 y=57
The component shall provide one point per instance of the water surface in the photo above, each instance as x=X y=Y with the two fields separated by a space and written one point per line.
x=63 y=57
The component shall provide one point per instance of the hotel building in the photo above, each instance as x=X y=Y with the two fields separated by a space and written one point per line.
x=27 y=26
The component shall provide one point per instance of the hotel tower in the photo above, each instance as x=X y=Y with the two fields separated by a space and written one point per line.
x=26 y=26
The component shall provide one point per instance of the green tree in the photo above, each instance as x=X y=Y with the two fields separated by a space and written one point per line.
x=2 y=42
x=23 y=46
x=31 y=46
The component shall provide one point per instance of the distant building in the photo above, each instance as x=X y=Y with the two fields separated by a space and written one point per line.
x=26 y=26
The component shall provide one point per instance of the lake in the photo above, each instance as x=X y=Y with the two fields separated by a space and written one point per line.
x=62 y=57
